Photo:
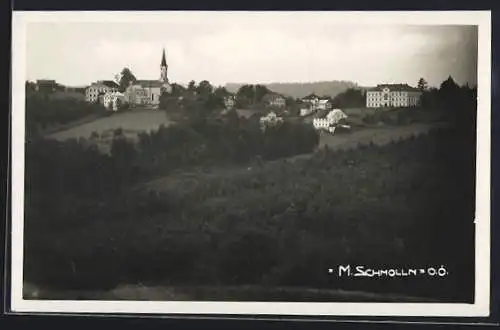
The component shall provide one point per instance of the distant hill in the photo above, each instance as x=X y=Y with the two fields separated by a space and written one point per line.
x=299 y=90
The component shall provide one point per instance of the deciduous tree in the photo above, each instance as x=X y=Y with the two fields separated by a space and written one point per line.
x=126 y=76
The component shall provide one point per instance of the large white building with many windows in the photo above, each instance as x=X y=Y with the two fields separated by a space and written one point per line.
x=393 y=96
x=99 y=88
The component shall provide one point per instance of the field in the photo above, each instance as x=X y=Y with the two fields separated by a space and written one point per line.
x=268 y=231
x=185 y=181
x=221 y=210
x=131 y=122
x=376 y=135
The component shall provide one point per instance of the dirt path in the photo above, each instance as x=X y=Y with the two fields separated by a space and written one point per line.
x=139 y=292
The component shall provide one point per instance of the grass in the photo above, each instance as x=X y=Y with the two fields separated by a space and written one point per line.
x=185 y=180
x=375 y=205
x=54 y=130
x=133 y=121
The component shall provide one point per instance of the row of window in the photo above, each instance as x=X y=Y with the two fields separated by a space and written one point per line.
x=392 y=103
x=380 y=93
x=100 y=90
x=386 y=97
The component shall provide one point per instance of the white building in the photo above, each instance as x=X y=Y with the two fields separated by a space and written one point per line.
x=324 y=104
x=311 y=101
x=274 y=100
x=331 y=121
x=271 y=119
x=144 y=92
x=306 y=111
x=229 y=101
x=393 y=95
x=98 y=88
x=112 y=100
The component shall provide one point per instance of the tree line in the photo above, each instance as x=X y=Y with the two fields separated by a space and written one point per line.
x=281 y=226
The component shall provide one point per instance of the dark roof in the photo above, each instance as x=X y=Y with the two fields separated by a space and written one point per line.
x=271 y=96
x=395 y=87
x=310 y=96
x=45 y=81
x=109 y=83
x=321 y=113
x=149 y=83
x=163 y=59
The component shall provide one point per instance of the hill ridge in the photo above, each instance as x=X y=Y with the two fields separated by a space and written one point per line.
x=300 y=89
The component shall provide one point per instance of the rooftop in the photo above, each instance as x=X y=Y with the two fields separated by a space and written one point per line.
x=107 y=83
x=310 y=96
x=395 y=87
x=45 y=81
x=271 y=96
x=149 y=83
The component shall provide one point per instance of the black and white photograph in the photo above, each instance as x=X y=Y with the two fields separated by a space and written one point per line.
x=261 y=163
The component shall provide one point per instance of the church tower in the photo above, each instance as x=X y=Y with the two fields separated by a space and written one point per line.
x=163 y=69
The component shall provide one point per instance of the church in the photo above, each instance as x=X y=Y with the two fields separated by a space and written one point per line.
x=148 y=92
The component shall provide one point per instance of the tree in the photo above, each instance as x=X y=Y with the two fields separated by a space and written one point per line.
x=168 y=102
x=422 y=84
x=204 y=88
x=449 y=86
x=177 y=90
x=245 y=95
x=259 y=92
x=30 y=86
x=192 y=86
x=120 y=105
x=351 y=98
x=221 y=92
x=213 y=102
x=430 y=99
x=126 y=76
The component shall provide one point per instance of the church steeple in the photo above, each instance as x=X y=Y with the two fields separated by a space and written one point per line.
x=163 y=59
x=163 y=68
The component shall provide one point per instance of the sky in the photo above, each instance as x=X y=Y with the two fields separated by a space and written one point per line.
x=251 y=49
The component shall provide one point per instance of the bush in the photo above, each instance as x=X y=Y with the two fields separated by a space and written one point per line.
x=284 y=225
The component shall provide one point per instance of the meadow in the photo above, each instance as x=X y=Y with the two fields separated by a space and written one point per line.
x=132 y=122
x=262 y=226
x=282 y=227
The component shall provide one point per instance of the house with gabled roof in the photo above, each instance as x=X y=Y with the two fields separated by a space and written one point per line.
x=273 y=99
x=310 y=97
x=229 y=101
x=98 y=88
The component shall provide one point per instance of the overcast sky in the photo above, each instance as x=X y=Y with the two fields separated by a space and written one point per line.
x=257 y=49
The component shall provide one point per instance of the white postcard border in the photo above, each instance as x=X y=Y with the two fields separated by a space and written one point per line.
x=482 y=286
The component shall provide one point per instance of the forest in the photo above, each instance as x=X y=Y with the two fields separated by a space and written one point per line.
x=407 y=204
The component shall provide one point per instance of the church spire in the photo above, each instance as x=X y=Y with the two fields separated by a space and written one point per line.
x=163 y=59
x=163 y=68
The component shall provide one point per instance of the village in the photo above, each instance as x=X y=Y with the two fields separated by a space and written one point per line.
x=126 y=92
x=254 y=180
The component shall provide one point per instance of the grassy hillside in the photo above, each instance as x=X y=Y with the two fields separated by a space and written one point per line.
x=374 y=206
x=300 y=89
